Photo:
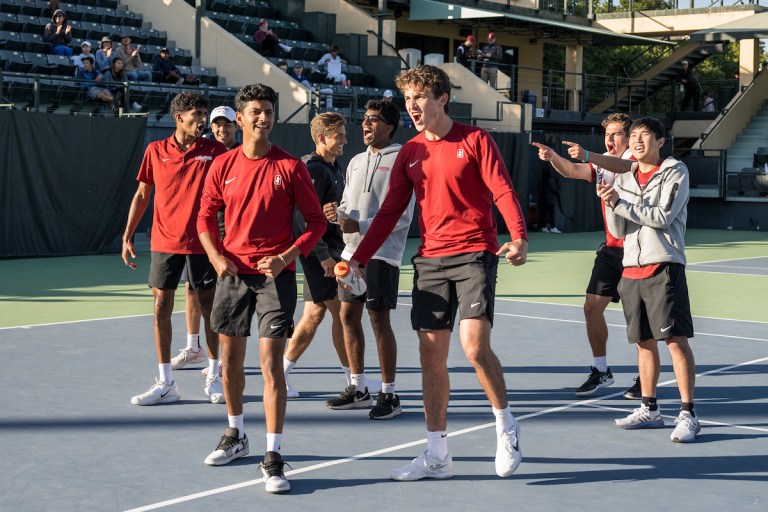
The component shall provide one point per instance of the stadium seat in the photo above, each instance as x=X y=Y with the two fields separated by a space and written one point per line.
x=9 y=22
x=40 y=63
x=61 y=65
x=10 y=6
x=14 y=61
x=34 y=43
x=12 y=41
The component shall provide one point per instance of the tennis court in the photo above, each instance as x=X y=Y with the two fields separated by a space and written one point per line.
x=76 y=340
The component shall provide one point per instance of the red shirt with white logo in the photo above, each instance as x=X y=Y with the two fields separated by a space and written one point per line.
x=177 y=177
x=457 y=180
x=259 y=197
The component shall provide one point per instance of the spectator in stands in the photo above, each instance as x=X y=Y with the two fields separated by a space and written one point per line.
x=85 y=49
x=298 y=74
x=89 y=77
x=59 y=33
x=387 y=96
x=491 y=56
x=691 y=87
x=333 y=62
x=270 y=43
x=168 y=71
x=104 y=55
x=708 y=102
x=465 y=52
x=132 y=60
x=116 y=73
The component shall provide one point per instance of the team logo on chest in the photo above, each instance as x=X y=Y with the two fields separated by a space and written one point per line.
x=460 y=153
x=278 y=180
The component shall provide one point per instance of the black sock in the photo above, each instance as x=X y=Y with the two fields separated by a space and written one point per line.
x=687 y=406
x=651 y=403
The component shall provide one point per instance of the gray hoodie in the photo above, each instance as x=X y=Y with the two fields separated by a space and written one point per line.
x=368 y=176
x=652 y=221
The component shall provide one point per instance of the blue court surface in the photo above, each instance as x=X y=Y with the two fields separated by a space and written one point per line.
x=71 y=440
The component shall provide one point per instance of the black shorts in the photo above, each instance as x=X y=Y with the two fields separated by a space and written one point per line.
x=382 y=281
x=165 y=271
x=317 y=287
x=442 y=285
x=657 y=307
x=606 y=272
x=239 y=297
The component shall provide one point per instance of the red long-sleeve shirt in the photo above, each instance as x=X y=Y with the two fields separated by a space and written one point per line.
x=457 y=180
x=178 y=178
x=259 y=197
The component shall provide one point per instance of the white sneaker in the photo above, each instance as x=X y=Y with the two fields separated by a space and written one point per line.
x=290 y=391
x=686 y=428
x=228 y=449
x=545 y=230
x=555 y=230
x=642 y=417
x=159 y=393
x=508 y=454
x=188 y=356
x=135 y=107
x=274 y=476
x=424 y=466
x=214 y=390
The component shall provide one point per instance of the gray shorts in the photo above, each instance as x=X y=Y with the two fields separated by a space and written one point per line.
x=382 y=282
x=657 y=307
x=93 y=92
x=165 y=271
x=239 y=297
x=445 y=284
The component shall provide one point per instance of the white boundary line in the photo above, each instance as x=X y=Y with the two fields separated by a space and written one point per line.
x=727 y=259
x=708 y=265
x=590 y=402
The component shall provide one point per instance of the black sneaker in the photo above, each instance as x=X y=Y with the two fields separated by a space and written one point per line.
x=350 y=399
x=634 y=393
x=387 y=407
x=274 y=477
x=595 y=381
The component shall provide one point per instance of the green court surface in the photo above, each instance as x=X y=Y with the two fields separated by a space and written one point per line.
x=45 y=290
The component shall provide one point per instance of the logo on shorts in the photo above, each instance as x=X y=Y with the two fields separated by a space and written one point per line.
x=474 y=305
x=665 y=329
x=278 y=180
x=273 y=326
x=206 y=282
x=460 y=153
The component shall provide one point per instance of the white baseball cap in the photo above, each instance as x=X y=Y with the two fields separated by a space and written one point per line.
x=388 y=94
x=223 y=111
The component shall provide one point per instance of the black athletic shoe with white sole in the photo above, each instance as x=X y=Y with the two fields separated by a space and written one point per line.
x=387 y=407
x=595 y=381
x=634 y=393
x=350 y=398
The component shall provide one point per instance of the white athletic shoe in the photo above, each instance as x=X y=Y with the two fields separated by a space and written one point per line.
x=214 y=390
x=159 y=393
x=508 y=454
x=290 y=391
x=274 y=476
x=686 y=428
x=188 y=356
x=228 y=449
x=642 y=417
x=424 y=466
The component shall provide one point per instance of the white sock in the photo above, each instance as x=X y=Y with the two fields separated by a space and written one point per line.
x=288 y=365
x=213 y=367
x=504 y=418
x=358 y=380
x=345 y=369
x=166 y=374
x=273 y=442
x=193 y=342
x=237 y=422
x=388 y=387
x=437 y=444
x=601 y=363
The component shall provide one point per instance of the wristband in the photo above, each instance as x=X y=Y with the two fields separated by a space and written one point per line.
x=586 y=157
x=283 y=260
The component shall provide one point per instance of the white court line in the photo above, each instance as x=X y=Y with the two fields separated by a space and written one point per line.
x=704 y=271
x=315 y=467
x=727 y=259
x=725 y=266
